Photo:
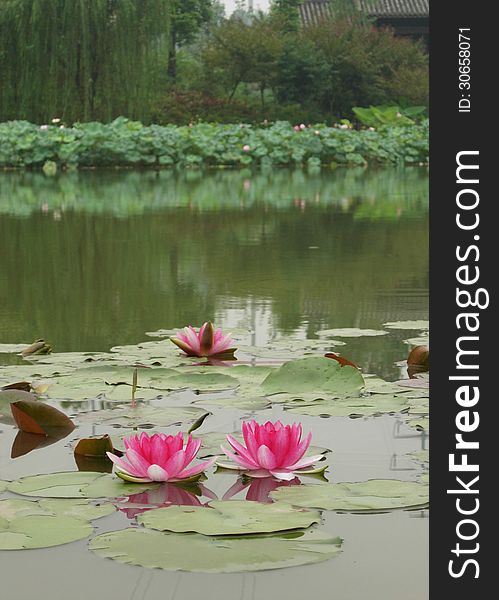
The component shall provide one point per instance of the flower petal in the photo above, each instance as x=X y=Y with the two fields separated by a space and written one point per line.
x=266 y=457
x=157 y=473
x=283 y=475
x=305 y=462
x=124 y=466
x=199 y=468
x=239 y=459
x=242 y=451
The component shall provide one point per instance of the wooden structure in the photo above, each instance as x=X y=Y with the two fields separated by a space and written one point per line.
x=408 y=18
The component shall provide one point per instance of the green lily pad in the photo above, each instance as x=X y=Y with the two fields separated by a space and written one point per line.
x=199 y=553
x=3 y=485
x=375 y=404
x=236 y=517
x=31 y=524
x=76 y=484
x=422 y=340
x=70 y=388
x=12 y=348
x=255 y=403
x=421 y=325
x=144 y=416
x=314 y=373
x=202 y=382
x=123 y=393
x=372 y=495
x=421 y=424
x=351 y=332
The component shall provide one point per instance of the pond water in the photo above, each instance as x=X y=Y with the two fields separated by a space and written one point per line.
x=94 y=260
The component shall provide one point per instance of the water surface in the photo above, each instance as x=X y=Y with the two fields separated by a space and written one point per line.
x=95 y=259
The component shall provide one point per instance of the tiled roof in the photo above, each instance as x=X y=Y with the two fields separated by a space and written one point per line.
x=314 y=11
x=395 y=8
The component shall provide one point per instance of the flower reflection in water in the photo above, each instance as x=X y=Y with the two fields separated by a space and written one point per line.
x=258 y=489
x=167 y=494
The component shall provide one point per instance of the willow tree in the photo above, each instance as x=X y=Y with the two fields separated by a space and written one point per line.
x=80 y=59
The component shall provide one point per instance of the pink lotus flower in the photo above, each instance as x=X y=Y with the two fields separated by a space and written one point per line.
x=206 y=342
x=246 y=148
x=297 y=128
x=272 y=449
x=158 y=457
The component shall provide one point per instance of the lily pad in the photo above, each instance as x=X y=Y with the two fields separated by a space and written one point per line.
x=255 y=403
x=236 y=517
x=351 y=332
x=3 y=485
x=202 y=382
x=372 y=495
x=144 y=416
x=375 y=404
x=314 y=373
x=76 y=484
x=419 y=325
x=31 y=524
x=12 y=348
x=199 y=553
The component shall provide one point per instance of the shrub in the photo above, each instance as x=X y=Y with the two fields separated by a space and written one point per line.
x=129 y=143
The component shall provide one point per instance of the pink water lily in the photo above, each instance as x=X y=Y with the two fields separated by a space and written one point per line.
x=272 y=449
x=158 y=457
x=208 y=341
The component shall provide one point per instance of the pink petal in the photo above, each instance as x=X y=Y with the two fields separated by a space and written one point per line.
x=183 y=345
x=190 y=451
x=305 y=462
x=250 y=440
x=298 y=451
x=124 y=466
x=175 y=463
x=280 y=445
x=266 y=457
x=137 y=461
x=283 y=475
x=199 y=468
x=242 y=451
x=157 y=473
x=159 y=450
x=239 y=460
x=222 y=344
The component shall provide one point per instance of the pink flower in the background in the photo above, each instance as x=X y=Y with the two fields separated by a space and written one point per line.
x=297 y=128
x=246 y=148
x=258 y=489
x=272 y=449
x=302 y=126
x=205 y=342
x=159 y=457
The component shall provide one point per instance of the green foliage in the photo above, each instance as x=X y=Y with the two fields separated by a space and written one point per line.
x=79 y=60
x=376 y=116
x=365 y=66
x=287 y=13
x=241 y=51
x=129 y=143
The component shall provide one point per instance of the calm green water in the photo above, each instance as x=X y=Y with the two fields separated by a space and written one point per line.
x=96 y=259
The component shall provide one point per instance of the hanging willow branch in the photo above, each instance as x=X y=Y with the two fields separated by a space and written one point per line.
x=80 y=59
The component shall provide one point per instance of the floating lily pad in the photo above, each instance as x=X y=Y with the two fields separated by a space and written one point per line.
x=351 y=332
x=421 y=424
x=375 y=404
x=12 y=348
x=199 y=553
x=123 y=392
x=202 y=382
x=236 y=517
x=314 y=373
x=31 y=524
x=144 y=416
x=3 y=485
x=76 y=484
x=422 y=340
x=372 y=495
x=421 y=325
x=71 y=388
x=255 y=403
